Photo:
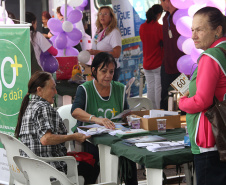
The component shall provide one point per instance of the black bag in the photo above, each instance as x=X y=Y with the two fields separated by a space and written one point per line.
x=216 y=114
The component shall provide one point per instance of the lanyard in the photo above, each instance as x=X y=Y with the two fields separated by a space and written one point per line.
x=101 y=37
x=168 y=21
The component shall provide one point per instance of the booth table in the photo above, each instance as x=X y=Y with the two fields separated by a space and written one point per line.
x=112 y=147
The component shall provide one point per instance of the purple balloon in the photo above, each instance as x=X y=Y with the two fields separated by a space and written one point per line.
x=84 y=3
x=49 y=63
x=220 y=4
x=60 y=53
x=75 y=34
x=178 y=14
x=184 y=64
x=62 y=10
x=187 y=46
x=75 y=16
x=80 y=8
x=194 y=8
x=72 y=51
x=71 y=43
x=53 y=39
x=61 y=41
x=184 y=26
x=182 y=4
x=195 y=53
x=180 y=42
x=55 y=25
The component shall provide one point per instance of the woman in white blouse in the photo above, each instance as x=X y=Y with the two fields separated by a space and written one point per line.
x=107 y=37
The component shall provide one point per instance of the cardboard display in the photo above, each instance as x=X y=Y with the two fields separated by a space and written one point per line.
x=151 y=123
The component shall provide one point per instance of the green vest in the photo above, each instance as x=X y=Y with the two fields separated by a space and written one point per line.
x=96 y=105
x=192 y=119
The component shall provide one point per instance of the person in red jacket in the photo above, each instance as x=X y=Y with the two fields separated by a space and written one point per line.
x=151 y=36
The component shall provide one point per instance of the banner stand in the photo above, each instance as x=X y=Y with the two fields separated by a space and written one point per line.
x=15 y=73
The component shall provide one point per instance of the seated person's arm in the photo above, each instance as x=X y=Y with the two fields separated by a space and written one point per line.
x=54 y=139
x=81 y=115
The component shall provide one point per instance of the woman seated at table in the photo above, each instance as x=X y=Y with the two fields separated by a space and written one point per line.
x=100 y=100
x=40 y=127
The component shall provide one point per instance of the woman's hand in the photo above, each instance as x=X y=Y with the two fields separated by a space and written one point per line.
x=93 y=51
x=80 y=137
x=104 y=121
x=185 y=94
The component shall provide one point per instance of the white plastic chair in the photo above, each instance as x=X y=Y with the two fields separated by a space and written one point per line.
x=106 y=183
x=145 y=103
x=65 y=113
x=13 y=147
x=39 y=172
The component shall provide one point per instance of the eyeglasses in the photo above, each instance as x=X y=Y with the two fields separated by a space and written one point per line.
x=104 y=14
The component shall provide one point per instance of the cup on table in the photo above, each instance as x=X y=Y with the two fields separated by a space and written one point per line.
x=161 y=123
x=135 y=123
x=129 y=119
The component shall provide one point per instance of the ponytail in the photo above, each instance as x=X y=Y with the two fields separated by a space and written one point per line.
x=21 y=113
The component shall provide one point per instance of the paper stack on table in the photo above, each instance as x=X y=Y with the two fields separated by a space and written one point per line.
x=165 y=146
x=96 y=129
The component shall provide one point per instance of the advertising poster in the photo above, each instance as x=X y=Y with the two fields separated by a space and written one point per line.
x=130 y=15
x=14 y=76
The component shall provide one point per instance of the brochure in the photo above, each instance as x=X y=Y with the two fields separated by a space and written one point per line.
x=145 y=139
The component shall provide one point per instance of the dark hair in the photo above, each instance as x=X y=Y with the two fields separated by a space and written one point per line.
x=153 y=12
x=31 y=18
x=46 y=15
x=58 y=10
x=100 y=58
x=38 y=79
x=215 y=17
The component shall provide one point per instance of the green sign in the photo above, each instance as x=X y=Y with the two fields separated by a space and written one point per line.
x=14 y=74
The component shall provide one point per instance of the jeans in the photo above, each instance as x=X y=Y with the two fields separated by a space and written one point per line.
x=209 y=169
x=153 y=79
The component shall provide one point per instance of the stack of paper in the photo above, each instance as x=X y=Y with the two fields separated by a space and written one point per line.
x=165 y=146
x=96 y=129
x=145 y=139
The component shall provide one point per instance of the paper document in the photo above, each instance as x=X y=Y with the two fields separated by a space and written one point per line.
x=161 y=113
x=145 y=139
x=181 y=84
x=125 y=112
x=165 y=146
x=94 y=131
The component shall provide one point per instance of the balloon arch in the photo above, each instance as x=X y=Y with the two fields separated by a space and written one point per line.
x=183 y=21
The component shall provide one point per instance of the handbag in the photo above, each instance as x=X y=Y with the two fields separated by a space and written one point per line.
x=82 y=156
x=216 y=115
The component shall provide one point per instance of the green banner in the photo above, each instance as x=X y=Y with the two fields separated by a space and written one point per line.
x=14 y=74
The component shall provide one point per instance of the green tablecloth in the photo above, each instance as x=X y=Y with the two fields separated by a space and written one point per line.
x=144 y=157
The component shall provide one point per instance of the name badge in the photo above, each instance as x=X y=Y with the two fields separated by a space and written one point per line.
x=170 y=34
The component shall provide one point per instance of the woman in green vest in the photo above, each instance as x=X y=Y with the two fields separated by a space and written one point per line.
x=208 y=80
x=99 y=100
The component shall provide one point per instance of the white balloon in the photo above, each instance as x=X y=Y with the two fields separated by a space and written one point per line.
x=84 y=57
x=75 y=3
x=67 y=26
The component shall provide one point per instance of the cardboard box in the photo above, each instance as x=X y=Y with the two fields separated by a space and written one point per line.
x=151 y=123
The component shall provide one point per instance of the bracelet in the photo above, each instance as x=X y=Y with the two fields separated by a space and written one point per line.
x=90 y=118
